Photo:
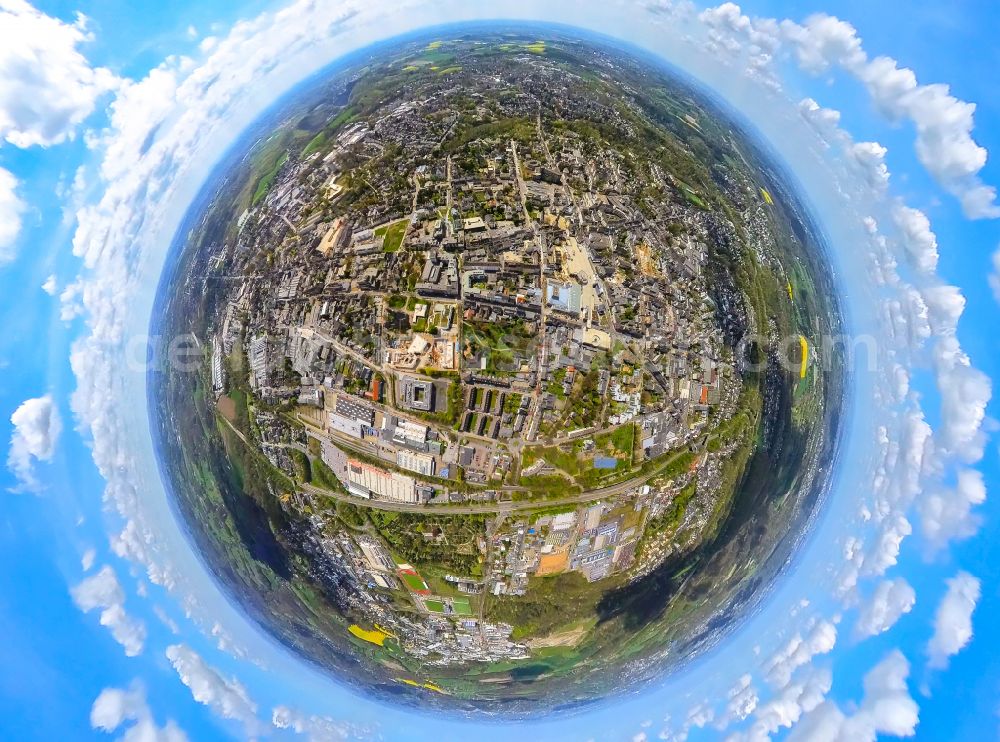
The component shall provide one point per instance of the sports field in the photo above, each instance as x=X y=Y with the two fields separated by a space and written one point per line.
x=413 y=580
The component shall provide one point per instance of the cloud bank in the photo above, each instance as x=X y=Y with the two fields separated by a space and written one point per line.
x=37 y=426
x=953 y=619
x=103 y=592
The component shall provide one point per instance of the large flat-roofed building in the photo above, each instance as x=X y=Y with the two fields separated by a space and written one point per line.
x=258 y=362
x=439 y=277
x=417 y=394
x=366 y=480
x=411 y=434
x=421 y=463
x=351 y=418
x=565 y=297
x=218 y=369
x=375 y=554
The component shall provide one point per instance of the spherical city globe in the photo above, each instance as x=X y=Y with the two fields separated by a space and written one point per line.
x=513 y=393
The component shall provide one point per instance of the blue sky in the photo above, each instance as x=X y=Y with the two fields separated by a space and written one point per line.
x=111 y=623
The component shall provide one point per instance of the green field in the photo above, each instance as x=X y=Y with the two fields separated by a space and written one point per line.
x=461 y=606
x=414 y=582
x=264 y=184
x=392 y=235
x=434 y=606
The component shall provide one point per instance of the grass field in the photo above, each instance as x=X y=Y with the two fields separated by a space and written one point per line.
x=393 y=235
x=621 y=440
x=435 y=606
x=461 y=606
x=264 y=184
x=414 y=581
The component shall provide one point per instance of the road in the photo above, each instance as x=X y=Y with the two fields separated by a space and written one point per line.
x=536 y=407
x=487 y=567
x=487 y=508
x=502 y=508
x=550 y=161
x=448 y=225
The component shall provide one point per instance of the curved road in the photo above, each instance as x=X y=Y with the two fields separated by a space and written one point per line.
x=485 y=508
x=488 y=508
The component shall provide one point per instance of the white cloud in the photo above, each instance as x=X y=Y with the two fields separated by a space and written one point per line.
x=918 y=239
x=675 y=11
x=825 y=121
x=103 y=592
x=225 y=696
x=87 y=560
x=115 y=707
x=908 y=317
x=697 y=717
x=965 y=392
x=886 y=708
x=820 y=639
x=737 y=37
x=883 y=551
x=224 y=642
x=50 y=286
x=823 y=41
x=788 y=706
x=822 y=724
x=37 y=426
x=946 y=513
x=884 y=607
x=47 y=87
x=166 y=620
x=11 y=208
x=899 y=477
x=869 y=157
x=943 y=123
x=945 y=305
x=742 y=700
x=953 y=619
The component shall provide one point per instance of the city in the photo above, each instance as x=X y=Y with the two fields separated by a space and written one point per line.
x=480 y=319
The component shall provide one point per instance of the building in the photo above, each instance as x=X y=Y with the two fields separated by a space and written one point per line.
x=336 y=238
x=258 y=362
x=409 y=433
x=421 y=463
x=417 y=394
x=439 y=277
x=352 y=418
x=376 y=555
x=365 y=480
x=474 y=224
x=218 y=370
x=565 y=297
